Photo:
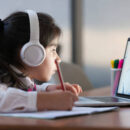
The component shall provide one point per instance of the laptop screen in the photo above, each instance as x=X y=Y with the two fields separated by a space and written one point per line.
x=124 y=82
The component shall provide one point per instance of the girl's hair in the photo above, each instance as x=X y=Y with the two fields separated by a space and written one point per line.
x=14 y=33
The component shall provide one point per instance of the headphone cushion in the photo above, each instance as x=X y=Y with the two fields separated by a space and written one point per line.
x=33 y=54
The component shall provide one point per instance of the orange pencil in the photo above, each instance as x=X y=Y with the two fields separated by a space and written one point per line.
x=60 y=75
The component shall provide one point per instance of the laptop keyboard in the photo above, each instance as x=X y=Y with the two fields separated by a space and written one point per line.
x=88 y=100
x=103 y=99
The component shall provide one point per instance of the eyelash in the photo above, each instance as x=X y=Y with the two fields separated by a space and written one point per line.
x=54 y=50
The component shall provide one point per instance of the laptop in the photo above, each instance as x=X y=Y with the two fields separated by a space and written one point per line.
x=122 y=94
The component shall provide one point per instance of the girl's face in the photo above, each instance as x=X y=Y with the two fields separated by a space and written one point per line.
x=44 y=71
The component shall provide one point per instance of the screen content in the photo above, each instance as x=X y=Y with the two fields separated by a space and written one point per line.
x=124 y=83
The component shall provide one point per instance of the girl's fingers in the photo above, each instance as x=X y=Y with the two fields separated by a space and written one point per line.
x=70 y=87
x=78 y=88
x=58 y=87
x=74 y=88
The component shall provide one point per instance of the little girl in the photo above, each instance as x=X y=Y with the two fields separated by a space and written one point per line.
x=18 y=92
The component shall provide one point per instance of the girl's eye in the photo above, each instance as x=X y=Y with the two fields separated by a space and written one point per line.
x=54 y=49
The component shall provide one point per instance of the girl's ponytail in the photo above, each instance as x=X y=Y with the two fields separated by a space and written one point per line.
x=1 y=26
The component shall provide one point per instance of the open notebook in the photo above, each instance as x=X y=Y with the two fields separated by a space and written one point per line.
x=60 y=114
x=122 y=96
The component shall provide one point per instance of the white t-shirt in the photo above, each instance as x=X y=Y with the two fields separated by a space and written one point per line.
x=17 y=100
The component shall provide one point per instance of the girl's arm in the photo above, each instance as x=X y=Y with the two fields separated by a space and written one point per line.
x=42 y=87
x=16 y=100
x=74 y=88
x=56 y=100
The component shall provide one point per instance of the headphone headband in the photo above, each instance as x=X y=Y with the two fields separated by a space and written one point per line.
x=34 y=30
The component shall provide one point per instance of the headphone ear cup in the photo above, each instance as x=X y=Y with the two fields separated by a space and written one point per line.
x=33 y=54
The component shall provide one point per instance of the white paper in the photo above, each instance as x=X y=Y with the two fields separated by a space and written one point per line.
x=58 y=114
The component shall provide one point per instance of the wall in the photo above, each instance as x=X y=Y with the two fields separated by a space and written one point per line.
x=106 y=28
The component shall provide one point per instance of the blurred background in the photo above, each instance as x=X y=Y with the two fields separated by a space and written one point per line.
x=94 y=31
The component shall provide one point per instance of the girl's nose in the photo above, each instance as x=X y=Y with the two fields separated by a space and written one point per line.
x=58 y=59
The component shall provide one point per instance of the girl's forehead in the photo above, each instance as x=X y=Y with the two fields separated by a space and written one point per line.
x=52 y=45
x=54 y=42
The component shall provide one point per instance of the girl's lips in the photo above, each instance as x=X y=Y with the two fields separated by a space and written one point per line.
x=54 y=71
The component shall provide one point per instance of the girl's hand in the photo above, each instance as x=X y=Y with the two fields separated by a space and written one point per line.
x=57 y=100
x=74 y=88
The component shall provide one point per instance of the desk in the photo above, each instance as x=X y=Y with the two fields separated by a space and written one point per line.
x=114 y=120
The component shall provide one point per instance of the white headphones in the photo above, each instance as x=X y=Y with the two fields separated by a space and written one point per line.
x=33 y=53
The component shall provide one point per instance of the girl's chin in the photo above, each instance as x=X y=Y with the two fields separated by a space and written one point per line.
x=45 y=79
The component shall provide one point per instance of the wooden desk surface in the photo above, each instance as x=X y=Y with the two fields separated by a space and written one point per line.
x=114 y=120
